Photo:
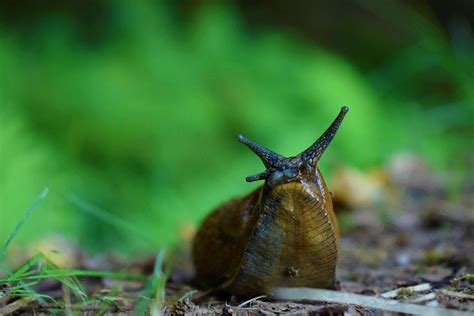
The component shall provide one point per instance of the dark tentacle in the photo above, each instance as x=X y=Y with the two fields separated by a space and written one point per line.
x=268 y=157
x=257 y=177
x=316 y=150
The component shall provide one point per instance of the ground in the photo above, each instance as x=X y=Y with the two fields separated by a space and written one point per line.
x=409 y=242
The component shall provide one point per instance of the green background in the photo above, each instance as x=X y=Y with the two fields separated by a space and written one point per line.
x=128 y=110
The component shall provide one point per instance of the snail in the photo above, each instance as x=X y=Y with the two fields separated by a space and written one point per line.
x=284 y=233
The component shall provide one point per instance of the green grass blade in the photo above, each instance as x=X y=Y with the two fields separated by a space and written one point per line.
x=81 y=273
x=71 y=282
x=153 y=293
x=18 y=226
x=108 y=217
x=25 y=267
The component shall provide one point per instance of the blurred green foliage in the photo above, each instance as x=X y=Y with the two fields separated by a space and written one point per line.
x=142 y=122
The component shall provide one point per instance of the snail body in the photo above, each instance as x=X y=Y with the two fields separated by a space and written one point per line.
x=284 y=233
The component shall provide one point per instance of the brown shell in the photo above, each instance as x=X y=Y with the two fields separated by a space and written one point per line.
x=285 y=235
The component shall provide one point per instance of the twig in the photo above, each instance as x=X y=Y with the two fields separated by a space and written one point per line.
x=456 y=294
x=85 y=308
x=250 y=301
x=424 y=298
x=187 y=294
x=416 y=288
x=16 y=305
x=357 y=299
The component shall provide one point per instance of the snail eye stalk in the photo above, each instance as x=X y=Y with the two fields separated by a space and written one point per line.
x=261 y=176
x=316 y=150
x=278 y=165
x=268 y=157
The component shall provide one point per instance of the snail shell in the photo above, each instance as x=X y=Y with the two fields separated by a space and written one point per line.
x=284 y=233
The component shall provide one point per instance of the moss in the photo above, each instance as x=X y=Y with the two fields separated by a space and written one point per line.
x=404 y=293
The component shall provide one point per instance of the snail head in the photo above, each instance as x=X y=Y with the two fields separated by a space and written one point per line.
x=280 y=169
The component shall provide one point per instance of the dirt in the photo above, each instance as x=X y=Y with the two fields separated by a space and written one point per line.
x=414 y=235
